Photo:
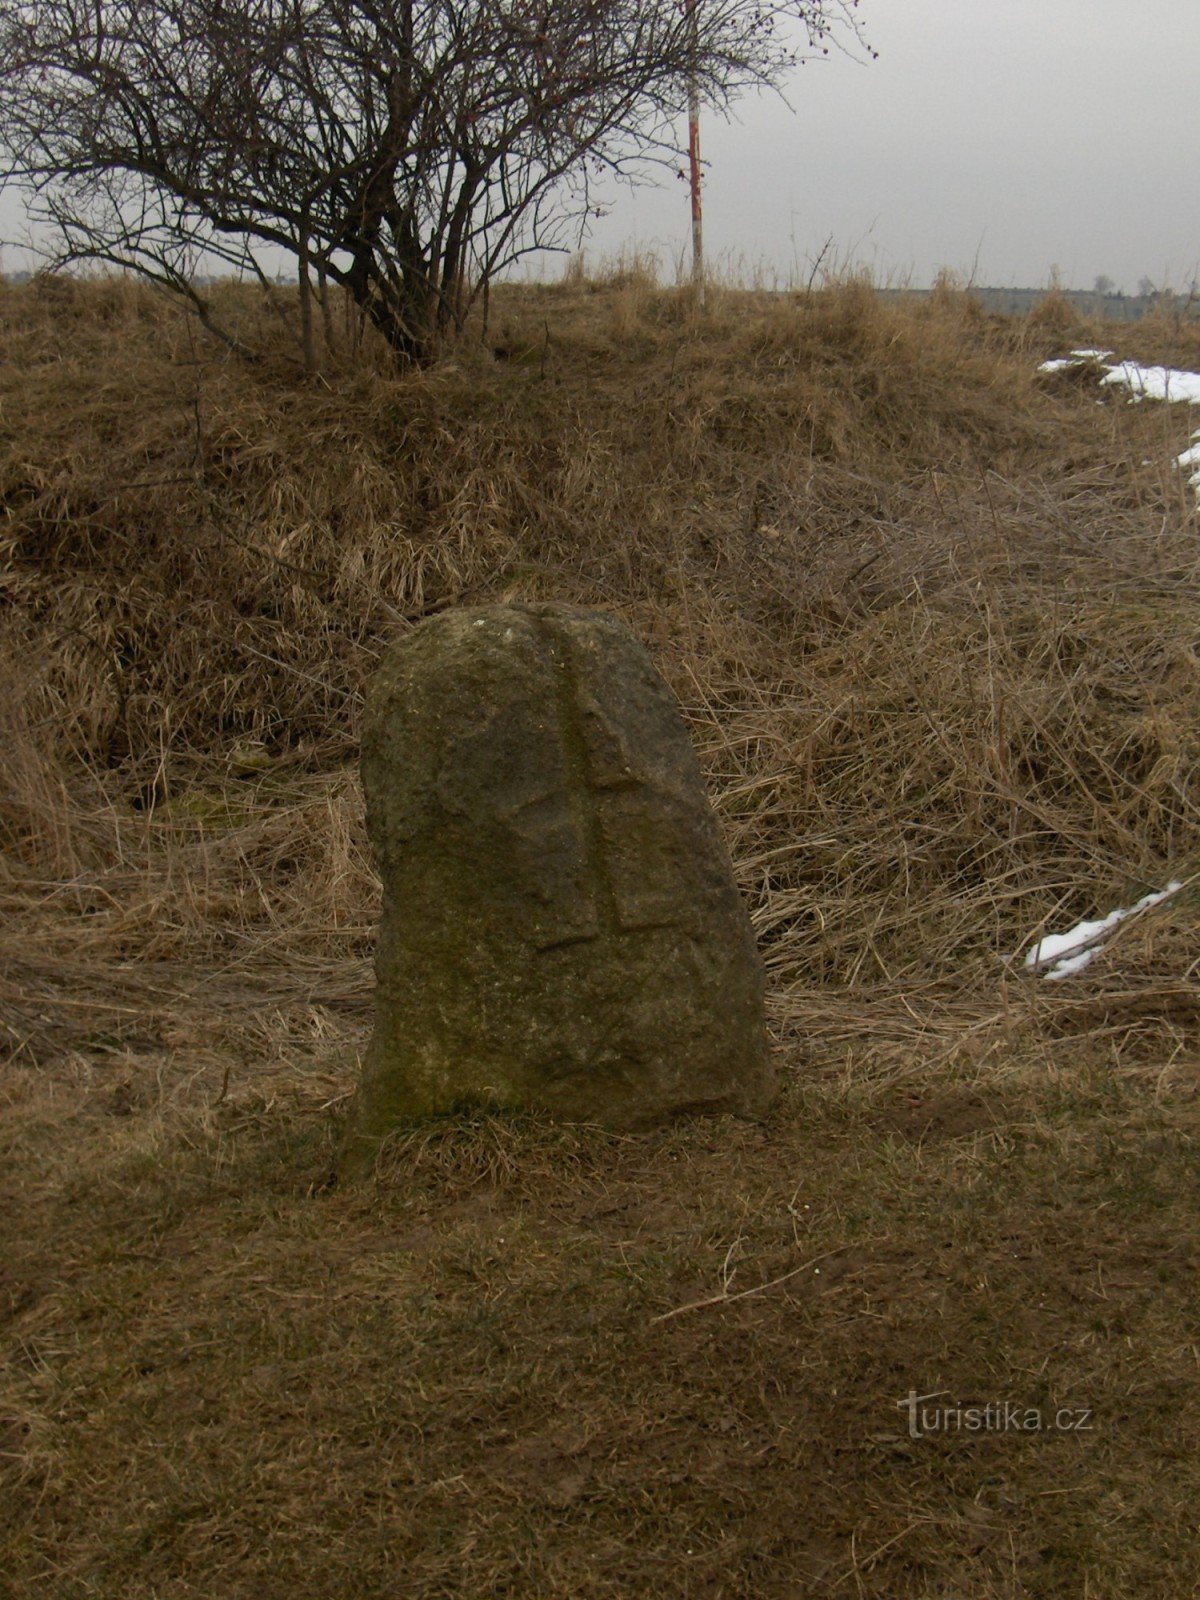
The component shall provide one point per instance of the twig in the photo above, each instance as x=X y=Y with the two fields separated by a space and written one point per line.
x=346 y=694
x=1106 y=935
x=816 y=266
x=857 y=1566
x=760 y=1288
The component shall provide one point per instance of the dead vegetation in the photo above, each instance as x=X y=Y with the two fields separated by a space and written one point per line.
x=935 y=623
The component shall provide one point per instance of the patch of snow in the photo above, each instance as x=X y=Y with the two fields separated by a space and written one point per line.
x=1075 y=359
x=1155 y=383
x=1062 y=954
x=1191 y=458
x=1144 y=383
x=1070 y=964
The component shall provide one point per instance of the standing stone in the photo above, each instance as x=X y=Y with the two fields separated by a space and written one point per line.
x=561 y=929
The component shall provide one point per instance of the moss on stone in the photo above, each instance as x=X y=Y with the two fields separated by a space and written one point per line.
x=561 y=930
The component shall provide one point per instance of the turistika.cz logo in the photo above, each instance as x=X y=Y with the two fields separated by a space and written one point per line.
x=993 y=1416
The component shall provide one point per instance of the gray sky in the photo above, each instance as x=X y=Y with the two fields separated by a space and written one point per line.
x=1000 y=138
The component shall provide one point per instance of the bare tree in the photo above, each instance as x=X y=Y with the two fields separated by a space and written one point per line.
x=407 y=150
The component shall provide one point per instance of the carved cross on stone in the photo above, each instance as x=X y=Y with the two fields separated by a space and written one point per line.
x=561 y=929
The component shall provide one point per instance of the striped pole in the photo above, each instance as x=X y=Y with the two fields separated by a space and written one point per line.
x=694 y=161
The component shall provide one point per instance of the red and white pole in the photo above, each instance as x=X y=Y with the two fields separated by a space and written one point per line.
x=694 y=160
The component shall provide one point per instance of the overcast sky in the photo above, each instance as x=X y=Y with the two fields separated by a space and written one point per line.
x=999 y=138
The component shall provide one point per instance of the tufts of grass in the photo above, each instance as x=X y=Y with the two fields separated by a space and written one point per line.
x=932 y=619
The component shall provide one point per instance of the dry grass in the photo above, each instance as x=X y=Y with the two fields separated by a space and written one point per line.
x=934 y=621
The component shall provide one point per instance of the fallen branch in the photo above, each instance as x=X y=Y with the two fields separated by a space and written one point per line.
x=759 y=1288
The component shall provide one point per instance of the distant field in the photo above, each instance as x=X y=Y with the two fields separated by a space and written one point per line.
x=1114 y=306
x=1085 y=303
x=934 y=620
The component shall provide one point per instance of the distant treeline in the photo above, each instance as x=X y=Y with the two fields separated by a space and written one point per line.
x=1114 y=307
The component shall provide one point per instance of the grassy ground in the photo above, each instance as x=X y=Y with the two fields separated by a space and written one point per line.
x=935 y=623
